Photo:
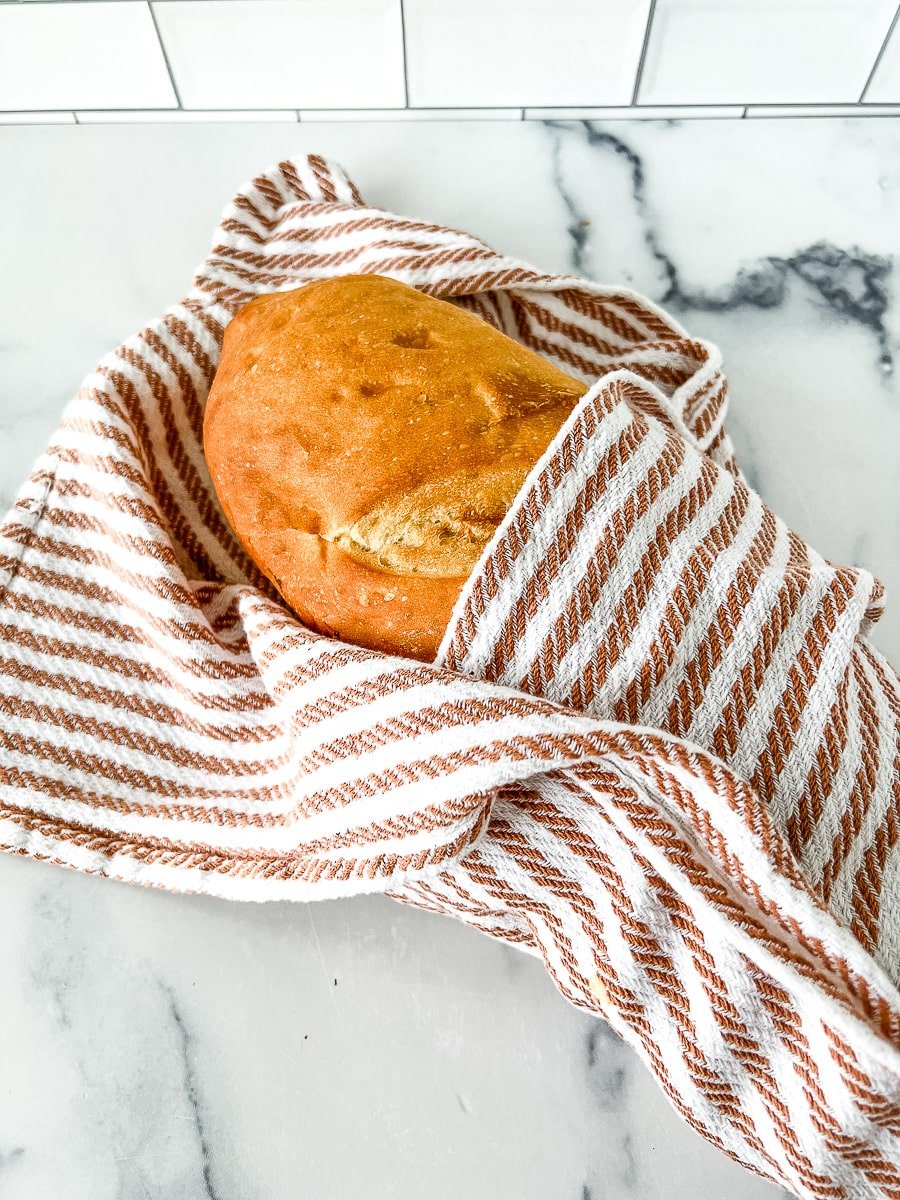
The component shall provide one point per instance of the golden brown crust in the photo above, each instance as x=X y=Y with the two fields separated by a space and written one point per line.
x=365 y=440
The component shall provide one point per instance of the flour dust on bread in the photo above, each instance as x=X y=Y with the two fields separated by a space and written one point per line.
x=365 y=441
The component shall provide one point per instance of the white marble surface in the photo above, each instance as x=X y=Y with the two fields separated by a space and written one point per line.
x=166 y=1046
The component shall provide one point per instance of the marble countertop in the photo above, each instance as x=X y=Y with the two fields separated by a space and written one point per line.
x=166 y=1046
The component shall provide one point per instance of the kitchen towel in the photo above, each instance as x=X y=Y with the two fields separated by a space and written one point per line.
x=656 y=748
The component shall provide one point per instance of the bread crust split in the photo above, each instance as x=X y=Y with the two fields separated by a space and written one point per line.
x=365 y=440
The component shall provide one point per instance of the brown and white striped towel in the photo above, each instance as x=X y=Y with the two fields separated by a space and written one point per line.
x=656 y=750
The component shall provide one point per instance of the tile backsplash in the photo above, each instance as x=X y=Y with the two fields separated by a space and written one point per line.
x=284 y=53
x=178 y=60
x=81 y=55
x=523 y=52
x=762 y=51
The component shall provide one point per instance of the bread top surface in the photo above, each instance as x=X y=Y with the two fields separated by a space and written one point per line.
x=368 y=437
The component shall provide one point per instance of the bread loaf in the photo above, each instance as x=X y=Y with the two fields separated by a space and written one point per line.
x=365 y=440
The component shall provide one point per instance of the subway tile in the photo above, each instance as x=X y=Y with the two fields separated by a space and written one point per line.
x=411 y=114
x=885 y=85
x=146 y=116
x=523 y=52
x=761 y=51
x=823 y=110
x=37 y=118
x=637 y=112
x=284 y=53
x=103 y=54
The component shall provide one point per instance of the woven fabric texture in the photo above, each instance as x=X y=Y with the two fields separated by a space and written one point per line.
x=656 y=748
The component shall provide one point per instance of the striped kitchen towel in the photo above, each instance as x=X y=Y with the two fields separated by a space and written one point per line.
x=656 y=749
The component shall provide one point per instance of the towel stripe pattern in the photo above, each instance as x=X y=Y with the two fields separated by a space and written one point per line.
x=656 y=749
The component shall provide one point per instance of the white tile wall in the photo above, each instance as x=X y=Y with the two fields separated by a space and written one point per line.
x=822 y=110
x=88 y=55
x=145 y=116
x=410 y=114
x=37 y=118
x=885 y=85
x=497 y=52
x=208 y=60
x=284 y=53
x=637 y=112
x=762 y=51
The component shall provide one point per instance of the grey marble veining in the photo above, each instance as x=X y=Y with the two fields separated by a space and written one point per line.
x=853 y=283
x=156 y=1045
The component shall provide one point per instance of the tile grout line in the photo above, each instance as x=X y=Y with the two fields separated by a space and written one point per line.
x=644 y=44
x=514 y=113
x=163 y=51
x=878 y=57
x=758 y=116
x=439 y=108
x=464 y=108
x=225 y=113
x=403 y=44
